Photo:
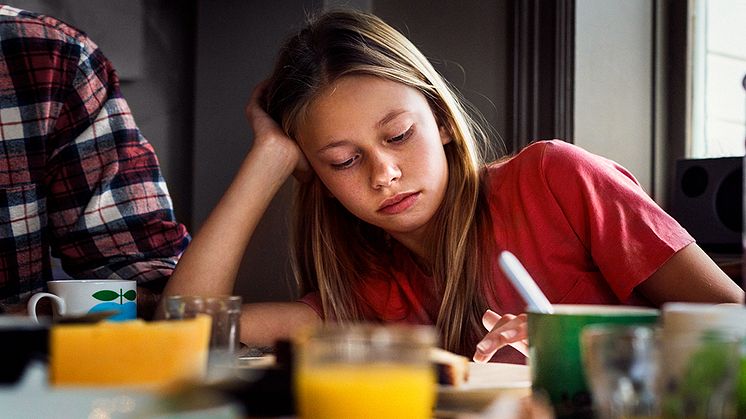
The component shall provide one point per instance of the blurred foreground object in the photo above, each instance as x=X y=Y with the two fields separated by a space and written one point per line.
x=32 y=397
x=135 y=353
x=225 y=312
x=621 y=365
x=452 y=369
x=372 y=370
x=24 y=340
x=703 y=346
x=554 y=345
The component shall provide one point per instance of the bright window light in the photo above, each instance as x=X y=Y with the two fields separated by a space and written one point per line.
x=718 y=101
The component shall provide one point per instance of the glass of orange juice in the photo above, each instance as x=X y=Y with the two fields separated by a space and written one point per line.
x=365 y=371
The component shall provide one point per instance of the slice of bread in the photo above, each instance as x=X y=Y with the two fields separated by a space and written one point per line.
x=452 y=369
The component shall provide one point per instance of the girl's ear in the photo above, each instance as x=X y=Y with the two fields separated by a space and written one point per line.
x=445 y=136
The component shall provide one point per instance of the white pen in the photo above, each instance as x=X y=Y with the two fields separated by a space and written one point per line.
x=524 y=283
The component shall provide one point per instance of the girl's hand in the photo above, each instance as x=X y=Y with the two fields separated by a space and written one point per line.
x=503 y=330
x=267 y=133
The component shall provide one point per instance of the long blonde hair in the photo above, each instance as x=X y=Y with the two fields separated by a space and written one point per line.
x=333 y=249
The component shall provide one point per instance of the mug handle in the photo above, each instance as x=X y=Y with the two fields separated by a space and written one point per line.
x=31 y=306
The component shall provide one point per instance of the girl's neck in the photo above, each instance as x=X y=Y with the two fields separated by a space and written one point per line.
x=416 y=245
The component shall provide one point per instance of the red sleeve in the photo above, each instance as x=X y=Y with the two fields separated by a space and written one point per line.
x=627 y=234
x=313 y=300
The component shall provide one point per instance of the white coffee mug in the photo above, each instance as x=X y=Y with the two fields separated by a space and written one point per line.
x=76 y=297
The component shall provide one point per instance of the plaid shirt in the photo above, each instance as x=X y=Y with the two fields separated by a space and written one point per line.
x=76 y=175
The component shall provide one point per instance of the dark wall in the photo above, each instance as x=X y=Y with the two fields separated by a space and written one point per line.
x=467 y=42
x=236 y=48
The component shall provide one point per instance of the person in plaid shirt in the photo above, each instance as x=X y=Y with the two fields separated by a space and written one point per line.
x=76 y=175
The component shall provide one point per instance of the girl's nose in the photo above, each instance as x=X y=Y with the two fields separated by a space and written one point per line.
x=384 y=172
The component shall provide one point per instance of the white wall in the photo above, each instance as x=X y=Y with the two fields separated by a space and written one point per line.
x=614 y=82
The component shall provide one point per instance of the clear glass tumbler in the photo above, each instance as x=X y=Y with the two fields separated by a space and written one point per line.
x=621 y=365
x=700 y=375
x=225 y=312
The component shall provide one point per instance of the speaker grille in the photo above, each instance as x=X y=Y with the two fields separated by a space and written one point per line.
x=708 y=202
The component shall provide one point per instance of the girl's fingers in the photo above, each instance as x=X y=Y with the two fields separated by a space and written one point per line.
x=261 y=123
x=266 y=129
x=254 y=99
x=521 y=346
x=490 y=319
x=508 y=330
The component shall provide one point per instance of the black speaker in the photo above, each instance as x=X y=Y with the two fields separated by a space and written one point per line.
x=708 y=202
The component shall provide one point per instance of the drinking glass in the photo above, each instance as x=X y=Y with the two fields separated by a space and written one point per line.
x=700 y=375
x=555 y=351
x=621 y=365
x=371 y=371
x=700 y=341
x=225 y=312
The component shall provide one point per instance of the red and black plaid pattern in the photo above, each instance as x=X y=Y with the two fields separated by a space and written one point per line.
x=76 y=175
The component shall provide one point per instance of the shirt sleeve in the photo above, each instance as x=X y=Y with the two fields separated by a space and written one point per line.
x=110 y=212
x=627 y=234
x=313 y=300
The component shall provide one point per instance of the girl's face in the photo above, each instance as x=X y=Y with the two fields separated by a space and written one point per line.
x=377 y=147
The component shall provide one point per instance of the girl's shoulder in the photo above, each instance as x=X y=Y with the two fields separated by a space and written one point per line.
x=551 y=164
x=545 y=156
x=535 y=152
x=530 y=158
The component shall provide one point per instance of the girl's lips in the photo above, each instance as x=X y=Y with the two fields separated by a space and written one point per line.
x=399 y=203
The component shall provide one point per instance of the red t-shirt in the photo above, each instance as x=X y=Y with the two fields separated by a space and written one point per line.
x=580 y=224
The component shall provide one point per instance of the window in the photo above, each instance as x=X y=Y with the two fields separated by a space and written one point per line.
x=718 y=98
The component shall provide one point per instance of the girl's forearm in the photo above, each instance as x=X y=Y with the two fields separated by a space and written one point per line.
x=210 y=264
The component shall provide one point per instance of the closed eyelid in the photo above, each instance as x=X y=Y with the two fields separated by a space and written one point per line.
x=332 y=145
x=402 y=136
x=345 y=164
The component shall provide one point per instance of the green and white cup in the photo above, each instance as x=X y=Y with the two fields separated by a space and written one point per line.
x=78 y=297
x=555 y=354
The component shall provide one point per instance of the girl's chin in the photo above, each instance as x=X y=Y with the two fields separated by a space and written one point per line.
x=404 y=229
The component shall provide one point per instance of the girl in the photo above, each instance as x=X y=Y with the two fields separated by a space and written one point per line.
x=398 y=218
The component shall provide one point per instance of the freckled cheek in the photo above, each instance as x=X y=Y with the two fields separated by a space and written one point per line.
x=348 y=190
x=422 y=163
x=357 y=204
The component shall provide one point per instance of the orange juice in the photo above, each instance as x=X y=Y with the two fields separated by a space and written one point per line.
x=384 y=390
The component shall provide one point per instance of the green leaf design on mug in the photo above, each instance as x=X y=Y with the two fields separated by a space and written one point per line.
x=130 y=295
x=105 y=295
